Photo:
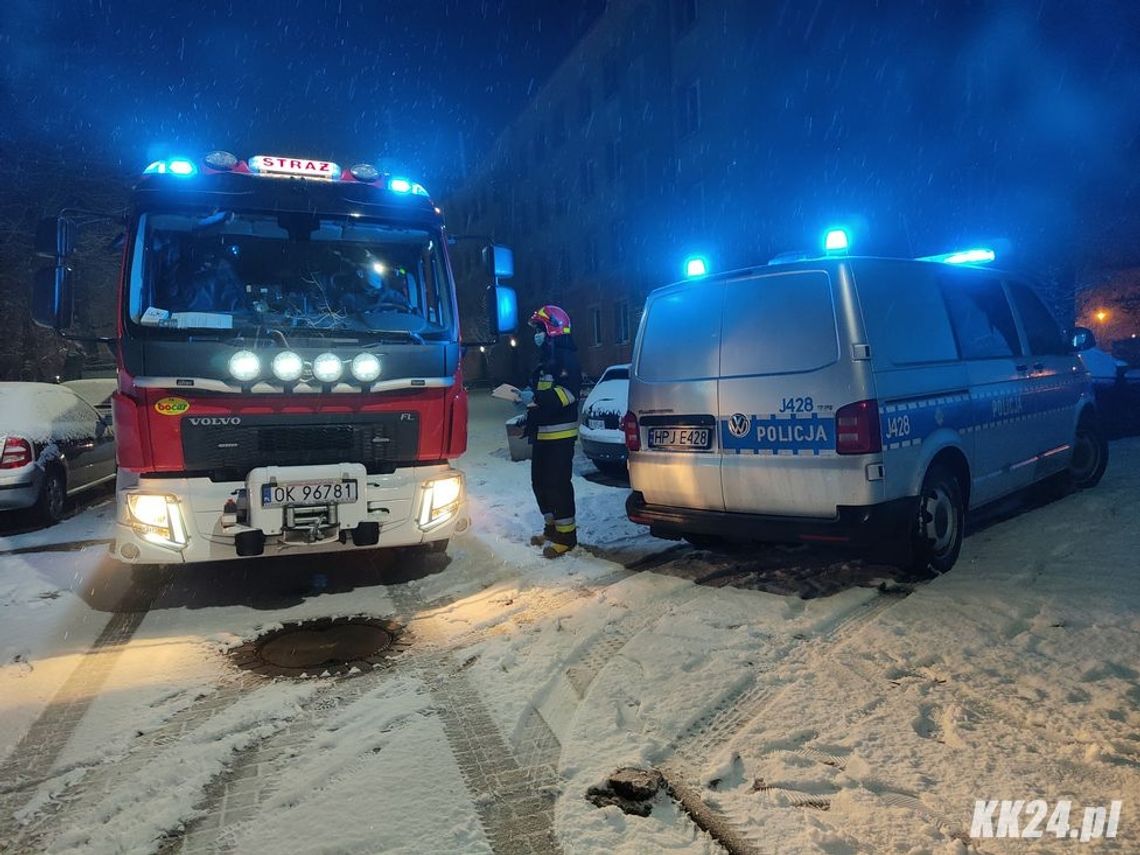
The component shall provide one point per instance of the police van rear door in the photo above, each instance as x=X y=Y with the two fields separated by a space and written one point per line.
x=673 y=393
x=786 y=369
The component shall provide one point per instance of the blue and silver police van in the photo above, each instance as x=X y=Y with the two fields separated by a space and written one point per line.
x=862 y=401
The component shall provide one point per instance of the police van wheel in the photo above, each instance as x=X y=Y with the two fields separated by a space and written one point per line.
x=1090 y=454
x=941 y=522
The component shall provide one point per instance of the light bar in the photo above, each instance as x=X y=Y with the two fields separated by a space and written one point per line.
x=271 y=164
x=979 y=255
x=179 y=166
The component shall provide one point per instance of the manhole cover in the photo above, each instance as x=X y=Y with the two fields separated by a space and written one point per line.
x=322 y=647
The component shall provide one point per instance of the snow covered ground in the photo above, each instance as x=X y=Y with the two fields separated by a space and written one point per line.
x=798 y=701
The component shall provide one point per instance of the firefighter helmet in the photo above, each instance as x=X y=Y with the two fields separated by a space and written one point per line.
x=554 y=321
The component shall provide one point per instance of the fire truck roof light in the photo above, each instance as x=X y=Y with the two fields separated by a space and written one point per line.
x=400 y=185
x=221 y=160
x=365 y=172
x=175 y=166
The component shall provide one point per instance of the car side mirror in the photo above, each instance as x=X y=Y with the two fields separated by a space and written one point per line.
x=55 y=237
x=52 y=297
x=502 y=309
x=1082 y=339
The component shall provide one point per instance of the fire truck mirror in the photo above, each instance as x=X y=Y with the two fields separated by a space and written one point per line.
x=52 y=297
x=502 y=309
x=499 y=261
x=55 y=237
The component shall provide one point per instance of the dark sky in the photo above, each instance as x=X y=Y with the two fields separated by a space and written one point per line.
x=347 y=80
x=1013 y=115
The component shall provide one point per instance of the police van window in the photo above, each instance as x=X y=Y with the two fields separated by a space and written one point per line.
x=778 y=324
x=681 y=338
x=897 y=300
x=981 y=317
x=1041 y=331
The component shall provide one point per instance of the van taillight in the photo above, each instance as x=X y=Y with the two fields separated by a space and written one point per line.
x=857 y=428
x=17 y=452
x=632 y=432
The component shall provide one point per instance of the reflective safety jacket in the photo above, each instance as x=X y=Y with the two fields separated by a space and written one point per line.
x=557 y=383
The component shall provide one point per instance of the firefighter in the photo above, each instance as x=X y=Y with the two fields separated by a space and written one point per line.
x=552 y=426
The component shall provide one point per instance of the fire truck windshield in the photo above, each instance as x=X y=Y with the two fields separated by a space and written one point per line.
x=303 y=274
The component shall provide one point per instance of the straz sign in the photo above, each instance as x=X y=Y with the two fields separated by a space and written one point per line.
x=268 y=164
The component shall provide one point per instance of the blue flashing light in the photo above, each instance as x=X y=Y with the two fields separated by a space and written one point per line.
x=970 y=256
x=400 y=185
x=419 y=190
x=179 y=166
x=696 y=265
x=836 y=241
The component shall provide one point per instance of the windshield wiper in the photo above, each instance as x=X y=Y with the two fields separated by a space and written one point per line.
x=407 y=334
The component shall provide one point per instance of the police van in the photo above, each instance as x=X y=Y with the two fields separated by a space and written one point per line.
x=862 y=401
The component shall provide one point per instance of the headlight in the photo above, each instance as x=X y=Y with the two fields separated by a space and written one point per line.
x=288 y=366
x=441 y=500
x=327 y=367
x=365 y=367
x=157 y=518
x=245 y=366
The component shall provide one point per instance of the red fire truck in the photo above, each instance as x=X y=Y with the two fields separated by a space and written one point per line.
x=288 y=359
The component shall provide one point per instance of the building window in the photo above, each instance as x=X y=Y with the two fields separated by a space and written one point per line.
x=588 y=178
x=585 y=104
x=596 y=326
x=610 y=75
x=684 y=15
x=689 y=109
x=613 y=160
x=621 y=323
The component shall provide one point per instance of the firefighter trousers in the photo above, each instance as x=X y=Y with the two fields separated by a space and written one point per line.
x=551 y=465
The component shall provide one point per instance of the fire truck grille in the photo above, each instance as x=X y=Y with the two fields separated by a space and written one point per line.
x=233 y=446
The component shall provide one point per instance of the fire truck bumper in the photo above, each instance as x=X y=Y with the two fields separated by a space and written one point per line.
x=286 y=510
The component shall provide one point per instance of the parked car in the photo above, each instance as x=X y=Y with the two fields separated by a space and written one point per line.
x=96 y=391
x=852 y=400
x=600 y=432
x=53 y=444
x=1116 y=386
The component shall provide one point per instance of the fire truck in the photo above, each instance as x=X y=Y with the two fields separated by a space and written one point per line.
x=288 y=359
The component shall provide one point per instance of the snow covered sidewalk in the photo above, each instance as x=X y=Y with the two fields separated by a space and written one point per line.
x=865 y=718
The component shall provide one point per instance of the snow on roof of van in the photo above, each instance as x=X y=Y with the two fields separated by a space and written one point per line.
x=43 y=411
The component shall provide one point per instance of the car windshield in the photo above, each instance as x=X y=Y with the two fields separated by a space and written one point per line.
x=299 y=273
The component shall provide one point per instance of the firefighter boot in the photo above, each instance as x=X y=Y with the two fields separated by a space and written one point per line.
x=548 y=532
x=565 y=538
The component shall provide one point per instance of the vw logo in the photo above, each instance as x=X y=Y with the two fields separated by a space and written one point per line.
x=739 y=425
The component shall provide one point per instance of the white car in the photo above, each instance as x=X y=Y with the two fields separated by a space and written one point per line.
x=600 y=432
x=53 y=444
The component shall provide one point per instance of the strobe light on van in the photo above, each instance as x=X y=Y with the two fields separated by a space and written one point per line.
x=857 y=428
x=632 y=432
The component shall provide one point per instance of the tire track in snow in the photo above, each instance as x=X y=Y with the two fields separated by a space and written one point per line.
x=728 y=717
x=32 y=759
x=514 y=790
